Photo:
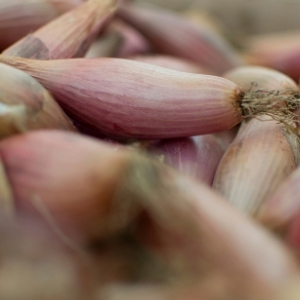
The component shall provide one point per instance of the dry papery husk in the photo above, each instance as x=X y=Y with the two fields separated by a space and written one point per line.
x=191 y=41
x=20 y=17
x=278 y=104
x=253 y=78
x=226 y=137
x=69 y=177
x=133 y=42
x=119 y=40
x=26 y=105
x=282 y=56
x=267 y=92
x=196 y=156
x=203 y=243
x=67 y=36
x=258 y=160
x=43 y=188
x=264 y=151
x=282 y=209
x=199 y=235
x=163 y=103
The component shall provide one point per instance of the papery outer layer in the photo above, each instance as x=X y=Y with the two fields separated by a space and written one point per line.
x=171 y=33
x=68 y=36
x=138 y=100
x=261 y=156
x=20 y=17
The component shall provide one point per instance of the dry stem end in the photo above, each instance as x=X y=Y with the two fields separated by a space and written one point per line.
x=278 y=104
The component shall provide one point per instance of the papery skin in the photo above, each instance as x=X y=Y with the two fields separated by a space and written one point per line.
x=282 y=208
x=170 y=33
x=263 y=153
x=68 y=36
x=122 y=41
x=20 y=17
x=283 y=55
x=71 y=176
x=193 y=230
x=26 y=105
x=132 y=99
x=226 y=137
x=133 y=42
x=258 y=159
x=173 y=62
x=82 y=181
x=196 y=156
x=253 y=78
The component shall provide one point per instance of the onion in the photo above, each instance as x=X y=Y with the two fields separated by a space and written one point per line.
x=282 y=56
x=283 y=206
x=20 y=17
x=240 y=177
x=170 y=33
x=133 y=43
x=120 y=40
x=67 y=36
x=26 y=105
x=125 y=98
x=196 y=156
x=133 y=99
x=197 y=234
x=71 y=177
x=255 y=78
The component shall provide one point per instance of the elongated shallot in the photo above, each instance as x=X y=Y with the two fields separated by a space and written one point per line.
x=132 y=99
x=264 y=151
x=68 y=36
x=20 y=17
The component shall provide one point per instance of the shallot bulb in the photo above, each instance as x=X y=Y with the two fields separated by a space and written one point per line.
x=125 y=98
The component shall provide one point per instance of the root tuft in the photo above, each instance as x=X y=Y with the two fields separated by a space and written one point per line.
x=279 y=105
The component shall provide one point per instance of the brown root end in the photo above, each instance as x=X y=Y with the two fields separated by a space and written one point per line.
x=278 y=104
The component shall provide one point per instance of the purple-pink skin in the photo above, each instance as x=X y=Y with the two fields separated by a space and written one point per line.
x=133 y=43
x=20 y=17
x=196 y=156
x=125 y=98
x=68 y=36
x=283 y=206
x=171 y=33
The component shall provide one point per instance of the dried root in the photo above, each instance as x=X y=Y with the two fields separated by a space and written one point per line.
x=279 y=105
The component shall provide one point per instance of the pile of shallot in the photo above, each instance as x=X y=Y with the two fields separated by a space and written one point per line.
x=145 y=155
